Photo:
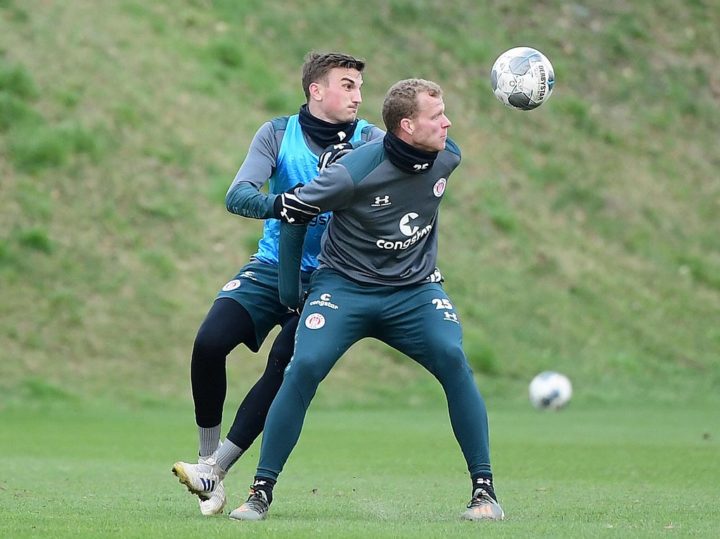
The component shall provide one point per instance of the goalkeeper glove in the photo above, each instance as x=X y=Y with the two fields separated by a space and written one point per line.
x=290 y=209
x=332 y=154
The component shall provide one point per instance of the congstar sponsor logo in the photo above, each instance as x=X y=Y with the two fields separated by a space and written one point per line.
x=324 y=301
x=408 y=228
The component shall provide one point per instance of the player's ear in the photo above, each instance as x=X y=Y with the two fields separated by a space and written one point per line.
x=316 y=91
x=407 y=125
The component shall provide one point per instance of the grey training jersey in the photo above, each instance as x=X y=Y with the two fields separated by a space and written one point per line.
x=384 y=224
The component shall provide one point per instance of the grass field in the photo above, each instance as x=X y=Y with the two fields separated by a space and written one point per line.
x=581 y=237
x=74 y=470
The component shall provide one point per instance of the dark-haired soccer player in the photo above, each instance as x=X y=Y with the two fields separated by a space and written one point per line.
x=283 y=153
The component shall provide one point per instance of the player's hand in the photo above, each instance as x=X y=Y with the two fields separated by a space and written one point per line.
x=332 y=154
x=290 y=209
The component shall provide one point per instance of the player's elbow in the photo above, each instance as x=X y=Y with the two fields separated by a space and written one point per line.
x=231 y=200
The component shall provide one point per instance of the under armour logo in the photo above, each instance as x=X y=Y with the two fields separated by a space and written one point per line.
x=381 y=201
x=421 y=166
x=288 y=219
x=450 y=317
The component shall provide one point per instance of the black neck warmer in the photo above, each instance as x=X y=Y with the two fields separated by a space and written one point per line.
x=407 y=158
x=324 y=133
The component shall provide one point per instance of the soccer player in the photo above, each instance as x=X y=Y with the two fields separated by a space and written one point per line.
x=284 y=152
x=377 y=278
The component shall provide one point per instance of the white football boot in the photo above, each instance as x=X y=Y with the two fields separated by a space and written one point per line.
x=202 y=479
x=216 y=503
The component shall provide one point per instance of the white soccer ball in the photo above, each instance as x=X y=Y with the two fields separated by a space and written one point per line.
x=522 y=78
x=550 y=390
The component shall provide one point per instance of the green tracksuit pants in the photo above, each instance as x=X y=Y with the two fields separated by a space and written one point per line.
x=418 y=320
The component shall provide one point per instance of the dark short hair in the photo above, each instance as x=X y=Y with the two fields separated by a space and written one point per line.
x=318 y=65
x=401 y=100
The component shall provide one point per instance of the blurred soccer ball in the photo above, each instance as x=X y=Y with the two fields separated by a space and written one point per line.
x=522 y=78
x=550 y=390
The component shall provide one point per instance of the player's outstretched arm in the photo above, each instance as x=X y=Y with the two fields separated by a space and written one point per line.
x=244 y=197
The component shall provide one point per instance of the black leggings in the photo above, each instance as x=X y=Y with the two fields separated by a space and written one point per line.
x=227 y=325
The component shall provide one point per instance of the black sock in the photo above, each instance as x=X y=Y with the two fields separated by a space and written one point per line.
x=484 y=482
x=266 y=485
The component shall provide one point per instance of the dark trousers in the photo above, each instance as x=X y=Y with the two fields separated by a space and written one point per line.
x=417 y=320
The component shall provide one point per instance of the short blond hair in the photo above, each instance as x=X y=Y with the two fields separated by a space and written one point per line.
x=401 y=100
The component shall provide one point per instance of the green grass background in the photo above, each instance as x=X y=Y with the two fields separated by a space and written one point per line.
x=104 y=471
x=582 y=237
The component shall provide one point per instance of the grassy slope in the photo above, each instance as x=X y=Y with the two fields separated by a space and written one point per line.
x=582 y=236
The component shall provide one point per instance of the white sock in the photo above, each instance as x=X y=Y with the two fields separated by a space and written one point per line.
x=209 y=440
x=227 y=455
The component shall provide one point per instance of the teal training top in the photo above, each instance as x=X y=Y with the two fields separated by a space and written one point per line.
x=384 y=226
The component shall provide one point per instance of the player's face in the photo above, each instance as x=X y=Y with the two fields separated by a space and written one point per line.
x=430 y=125
x=336 y=100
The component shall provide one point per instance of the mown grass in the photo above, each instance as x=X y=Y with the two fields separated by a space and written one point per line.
x=93 y=469
x=580 y=237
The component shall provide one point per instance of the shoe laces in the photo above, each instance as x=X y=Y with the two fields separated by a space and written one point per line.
x=257 y=500
x=211 y=459
x=481 y=497
x=208 y=467
x=207 y=461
